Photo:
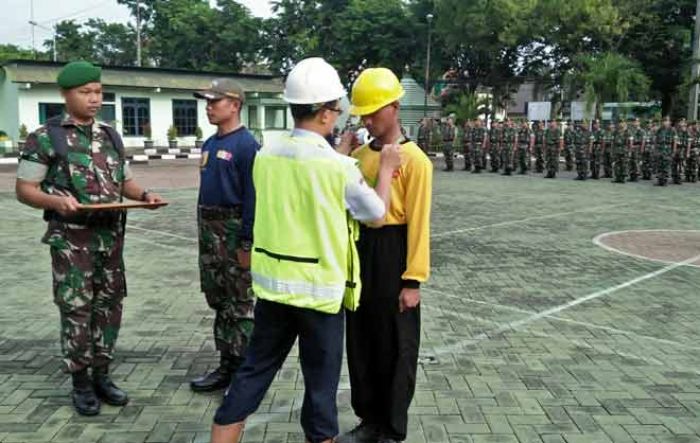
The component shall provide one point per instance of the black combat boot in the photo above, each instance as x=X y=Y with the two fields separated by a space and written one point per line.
x=85 y=401
x=105 y=388
x=220 y=377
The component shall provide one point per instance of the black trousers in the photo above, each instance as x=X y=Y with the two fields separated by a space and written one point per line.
x=277 y=327
x=382 y=343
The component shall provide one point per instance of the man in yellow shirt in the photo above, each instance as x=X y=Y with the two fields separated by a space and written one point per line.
x=383 y=335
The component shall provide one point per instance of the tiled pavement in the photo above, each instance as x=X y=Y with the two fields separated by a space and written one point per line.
x=531 y=333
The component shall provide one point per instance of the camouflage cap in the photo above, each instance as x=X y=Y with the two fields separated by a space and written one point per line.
x=221 y=88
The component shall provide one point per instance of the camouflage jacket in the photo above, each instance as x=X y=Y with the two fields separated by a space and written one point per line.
x=582 y=137
x=94 y=174
x=638 y=137
x=509 y=135
x=665 y=138
x=478 y=135
x=524 y=136
x=539 y=137
x=620 y=141
x=552 y=137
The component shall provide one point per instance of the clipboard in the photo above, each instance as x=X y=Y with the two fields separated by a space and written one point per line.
x=121 y=206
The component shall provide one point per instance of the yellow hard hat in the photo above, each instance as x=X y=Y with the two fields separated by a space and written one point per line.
x=374 y=89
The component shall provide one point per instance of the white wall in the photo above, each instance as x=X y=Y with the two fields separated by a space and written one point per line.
x=9 y=118
x=160 y=109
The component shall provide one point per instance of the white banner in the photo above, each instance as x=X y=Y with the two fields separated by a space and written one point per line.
x=539 y=110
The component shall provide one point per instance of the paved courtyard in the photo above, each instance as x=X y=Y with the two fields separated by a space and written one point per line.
x=532 y=331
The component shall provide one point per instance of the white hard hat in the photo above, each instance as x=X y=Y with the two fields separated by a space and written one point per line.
x=313 y=81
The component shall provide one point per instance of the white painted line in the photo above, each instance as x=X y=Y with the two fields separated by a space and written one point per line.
x=598 y=241
x=522 y=220
x=565 y=340
x=168 y=157
x=9 y=161
x=563 y=319
x=559 y=308
x=164 y=233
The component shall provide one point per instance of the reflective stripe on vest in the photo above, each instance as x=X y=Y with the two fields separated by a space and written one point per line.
x=304 y=249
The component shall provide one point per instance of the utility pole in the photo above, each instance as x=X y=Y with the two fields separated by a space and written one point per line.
x=138 y=33
x=31 y=21
x=429 y=17
x=695 y=69
x=54 y=31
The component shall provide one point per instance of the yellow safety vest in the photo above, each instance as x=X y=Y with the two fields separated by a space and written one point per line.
x=304 y=251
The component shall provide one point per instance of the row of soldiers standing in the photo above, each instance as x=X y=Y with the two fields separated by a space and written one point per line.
x=620 y=151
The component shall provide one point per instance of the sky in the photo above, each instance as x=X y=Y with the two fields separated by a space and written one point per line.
x=16 y=30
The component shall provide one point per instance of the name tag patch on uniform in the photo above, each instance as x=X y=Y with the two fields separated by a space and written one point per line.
x=224 y=155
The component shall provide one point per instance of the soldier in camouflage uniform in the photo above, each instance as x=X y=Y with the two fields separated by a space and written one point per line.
x=495 y=135
x=526 y=138
x=72 y=161
x=596 y=149
x=666 y=145
x=467 y=147
x=226 y=208
x=423 y=134
x=691 y=155
x=648 y=151
x=684 y=140
x=637 y=144
x=449 y=132
x=620 y=152
x=539 y=147
x=436 y=136
x=479 y=135
x=554 y=143
x=510 y=140
x=608 y=137
x=583 y=144
x=569 y=134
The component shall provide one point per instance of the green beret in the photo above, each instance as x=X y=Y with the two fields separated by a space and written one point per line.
x=76 y=74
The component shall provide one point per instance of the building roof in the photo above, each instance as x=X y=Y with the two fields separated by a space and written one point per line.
x=415 y=95
x=42 y=72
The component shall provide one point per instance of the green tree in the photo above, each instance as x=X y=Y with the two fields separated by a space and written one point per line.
x=72 y=42
x=659 y=38
x=468 y=107
x=608 y=77
x=13 y=52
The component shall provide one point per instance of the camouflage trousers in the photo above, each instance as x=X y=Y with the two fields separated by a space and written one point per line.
x=495 y=158
x=607 y=164
x=634 y=165
x=539 y=159
x=569 y=158
x=523 y=158
x=507 y=159
x=596 y=157
x=677 y=168
x=468 y=154
x=620 y=164
x=647 y=166
x=691 y=166
x=226 y=286
x=88 y=288
x=448 y=151
x=479 y=158
x=552 y=161
x=582 y=162
x=663 y=167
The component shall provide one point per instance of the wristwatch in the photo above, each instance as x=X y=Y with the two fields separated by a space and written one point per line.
x=144 y=194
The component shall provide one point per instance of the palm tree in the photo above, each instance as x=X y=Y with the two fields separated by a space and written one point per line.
x=468 y=107
x=607 y=77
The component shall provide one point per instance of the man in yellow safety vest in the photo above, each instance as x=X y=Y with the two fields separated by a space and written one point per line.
x=304 y=260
